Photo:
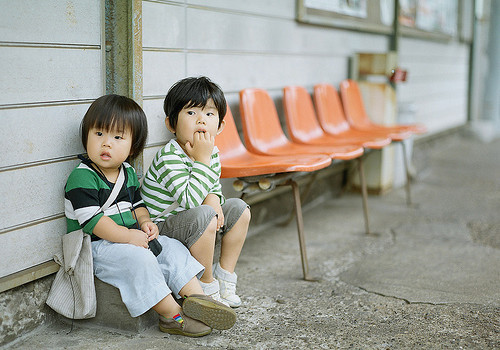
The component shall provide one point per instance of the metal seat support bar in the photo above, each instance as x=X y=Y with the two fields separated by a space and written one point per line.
x=300 y=229
x=364 y=193
x=408 y=177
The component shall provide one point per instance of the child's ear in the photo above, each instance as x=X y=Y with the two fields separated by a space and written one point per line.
x=130 y=157
x=169 y=127
x=221 y=127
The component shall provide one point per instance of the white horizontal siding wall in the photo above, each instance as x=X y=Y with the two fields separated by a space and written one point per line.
x=238 y=44
x=51 y=70
x=437 y=82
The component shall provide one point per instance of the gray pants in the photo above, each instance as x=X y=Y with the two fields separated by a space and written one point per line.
x=188 y=225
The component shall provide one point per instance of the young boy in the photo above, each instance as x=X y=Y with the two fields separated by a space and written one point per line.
x=183 y=179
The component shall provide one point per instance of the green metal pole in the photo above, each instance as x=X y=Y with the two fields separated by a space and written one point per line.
x=394 y=43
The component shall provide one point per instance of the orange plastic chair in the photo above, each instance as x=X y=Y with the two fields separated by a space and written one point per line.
x=332 y=120
x=355 y=114
x=264 y=135
x=303 y=127
x=237 y=162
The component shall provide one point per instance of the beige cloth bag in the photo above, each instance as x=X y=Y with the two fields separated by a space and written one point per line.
x=73 y=291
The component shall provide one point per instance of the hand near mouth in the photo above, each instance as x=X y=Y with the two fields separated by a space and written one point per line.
x=201 y=148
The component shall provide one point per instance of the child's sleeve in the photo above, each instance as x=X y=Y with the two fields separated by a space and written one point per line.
x=187 y=185
x=82 y=202
x=217 y=188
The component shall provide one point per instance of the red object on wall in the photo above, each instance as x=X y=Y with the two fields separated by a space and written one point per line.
x=398 y=75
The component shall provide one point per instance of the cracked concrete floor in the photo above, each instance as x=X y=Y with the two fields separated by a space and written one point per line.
x=428 y=278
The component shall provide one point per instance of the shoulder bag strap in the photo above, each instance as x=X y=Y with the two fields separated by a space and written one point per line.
x=116 y=189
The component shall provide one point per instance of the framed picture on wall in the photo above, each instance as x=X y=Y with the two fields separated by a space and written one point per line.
x=363 y=15
x=437 y=19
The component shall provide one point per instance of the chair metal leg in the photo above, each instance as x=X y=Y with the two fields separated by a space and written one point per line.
x=300 y=230
x=407 y=168
x=364 y=193
x=305 y=194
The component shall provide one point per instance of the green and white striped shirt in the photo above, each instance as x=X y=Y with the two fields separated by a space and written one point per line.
x=86 y=191
x=174 y=177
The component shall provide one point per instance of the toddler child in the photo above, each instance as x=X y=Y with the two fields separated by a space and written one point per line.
x=183 y=179
x=114 y=130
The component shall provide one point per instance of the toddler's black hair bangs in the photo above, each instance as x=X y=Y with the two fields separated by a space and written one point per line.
x=109 y=120
x=193 y=92
x=120 y=113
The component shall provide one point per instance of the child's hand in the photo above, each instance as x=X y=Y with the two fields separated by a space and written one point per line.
x=220 y=216
x=150 y=229
x=214 y=201
x=138 y=238
x=202 y=147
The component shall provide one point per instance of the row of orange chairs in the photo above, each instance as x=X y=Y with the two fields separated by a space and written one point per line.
x=332 y=131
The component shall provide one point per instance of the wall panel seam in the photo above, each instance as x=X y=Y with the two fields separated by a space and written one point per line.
x=156 y=144
x=46 y=104
x=31 y=223
x=243 y=52
x=38 y=163
x=166 y=2
x=49 y=45
x=226 y=92
x=156 y=97
x=236 y=12
x=221 y=10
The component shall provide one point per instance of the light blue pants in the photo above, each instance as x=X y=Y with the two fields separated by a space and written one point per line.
x=142 y=278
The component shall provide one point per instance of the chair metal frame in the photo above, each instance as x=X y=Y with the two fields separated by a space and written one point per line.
x=304 y=128
x=355 y=113
x=263 y=135
x=251 y=169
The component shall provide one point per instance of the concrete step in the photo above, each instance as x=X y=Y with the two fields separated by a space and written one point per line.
x=112 y=313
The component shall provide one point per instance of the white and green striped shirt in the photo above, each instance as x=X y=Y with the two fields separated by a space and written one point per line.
x=86 y=191
x=173 y=176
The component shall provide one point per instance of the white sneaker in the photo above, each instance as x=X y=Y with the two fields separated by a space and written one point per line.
x=227 y=286
x=228 y=293
x=212 y=289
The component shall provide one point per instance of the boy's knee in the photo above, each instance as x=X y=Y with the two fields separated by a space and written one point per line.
x=235 y=207
x=208 y=213
x=212 y=227
x=206 y=209
x=246 y=216
x=210 y=233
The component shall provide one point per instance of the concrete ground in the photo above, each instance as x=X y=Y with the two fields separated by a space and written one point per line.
x=428 y=278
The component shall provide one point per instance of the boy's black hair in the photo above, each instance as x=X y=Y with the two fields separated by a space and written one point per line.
x=193 y=92
x=110 y=112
